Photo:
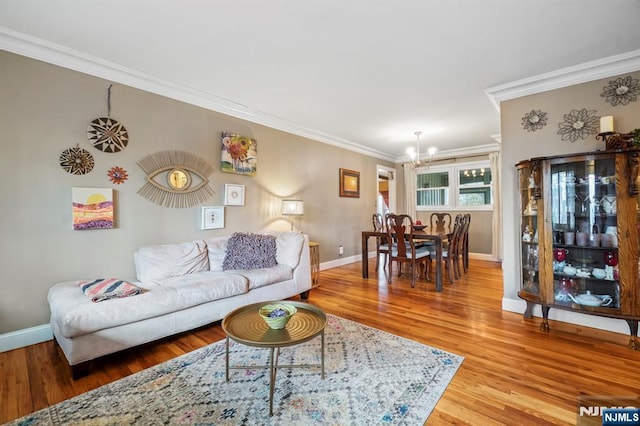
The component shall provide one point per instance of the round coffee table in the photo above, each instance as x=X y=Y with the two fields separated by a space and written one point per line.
x=244 y=325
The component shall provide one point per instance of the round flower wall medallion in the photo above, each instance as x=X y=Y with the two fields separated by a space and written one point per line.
x=579 y=124
x=534 y=120
x=621 y=91
x=117 y=175
x=107 y=135
x=76 y=161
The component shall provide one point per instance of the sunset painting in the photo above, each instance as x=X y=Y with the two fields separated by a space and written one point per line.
x=92 y=208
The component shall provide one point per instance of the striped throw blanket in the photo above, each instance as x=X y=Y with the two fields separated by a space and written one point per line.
x=108 y=288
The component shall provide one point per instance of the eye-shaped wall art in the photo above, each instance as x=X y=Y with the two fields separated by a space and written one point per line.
x=176 y=179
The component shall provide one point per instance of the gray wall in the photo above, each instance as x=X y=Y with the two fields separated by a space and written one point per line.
x=45 y=109
x=518 y=144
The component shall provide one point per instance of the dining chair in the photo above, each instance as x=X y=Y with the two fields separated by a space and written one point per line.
x=403 y=248
x=382 y=245
x=449 y=251
x=465 y=244
x=459 y=250
x=440 y=221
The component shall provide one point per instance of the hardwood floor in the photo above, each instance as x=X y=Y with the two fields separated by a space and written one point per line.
x=512 y=373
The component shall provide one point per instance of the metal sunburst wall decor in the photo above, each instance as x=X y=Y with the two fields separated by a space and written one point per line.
x=107 y=134
x=621 y=91
x=117 y=175
x=534 y=120
x=579 y=124
x=77 y=161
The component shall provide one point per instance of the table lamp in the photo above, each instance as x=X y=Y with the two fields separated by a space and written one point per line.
x=292 y=208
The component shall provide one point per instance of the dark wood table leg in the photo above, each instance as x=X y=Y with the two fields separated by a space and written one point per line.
x=465 y=258
x=438 y=265
x=365 y=256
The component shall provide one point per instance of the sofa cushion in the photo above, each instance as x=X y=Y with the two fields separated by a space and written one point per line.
x=195 y=289
x=156 y=263
x=216 y=249
x=250 y=251
x=289 y=248
x=265 y=276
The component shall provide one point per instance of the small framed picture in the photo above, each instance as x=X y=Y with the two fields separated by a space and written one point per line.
x=349 y=183
x=212 y=217
x=233 y=195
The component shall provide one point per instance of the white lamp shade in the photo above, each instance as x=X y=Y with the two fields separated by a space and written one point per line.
x=292 y=207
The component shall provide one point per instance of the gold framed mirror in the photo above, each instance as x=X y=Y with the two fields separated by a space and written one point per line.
x=178 y=179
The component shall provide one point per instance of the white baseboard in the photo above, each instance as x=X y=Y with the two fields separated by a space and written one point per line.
x=25 y=337
x=482 y=256
x=343 y=261
x=586 y=320
x=356 y=258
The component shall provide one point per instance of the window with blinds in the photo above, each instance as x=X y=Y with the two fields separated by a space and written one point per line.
x=464 y=186
x=433 y=189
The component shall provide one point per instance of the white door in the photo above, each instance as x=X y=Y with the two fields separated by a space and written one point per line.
x=386 y=194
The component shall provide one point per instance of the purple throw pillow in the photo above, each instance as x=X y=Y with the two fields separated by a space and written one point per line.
x=250 y=251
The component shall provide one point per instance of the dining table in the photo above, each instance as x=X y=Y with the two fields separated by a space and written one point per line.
x=438 y=236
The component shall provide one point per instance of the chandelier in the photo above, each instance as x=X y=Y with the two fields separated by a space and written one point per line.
x=473 y=173
x=414 y=154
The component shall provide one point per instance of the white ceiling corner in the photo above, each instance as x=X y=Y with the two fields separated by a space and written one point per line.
x=582 y=73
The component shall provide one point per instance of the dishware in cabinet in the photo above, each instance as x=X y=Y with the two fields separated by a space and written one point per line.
x=582 y=206
x=529 y=195
x=585 y=203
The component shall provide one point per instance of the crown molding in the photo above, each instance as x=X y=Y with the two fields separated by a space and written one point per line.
x=470 y=151
x=582 y=73
x=36 y=48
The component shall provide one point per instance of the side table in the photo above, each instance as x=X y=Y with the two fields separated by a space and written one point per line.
x=245 y=326
x=314 y=249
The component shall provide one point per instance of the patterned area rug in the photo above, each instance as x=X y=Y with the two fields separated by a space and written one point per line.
x=371 y=377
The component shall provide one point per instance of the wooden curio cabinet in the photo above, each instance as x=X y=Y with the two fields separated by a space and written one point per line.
x=579 y=235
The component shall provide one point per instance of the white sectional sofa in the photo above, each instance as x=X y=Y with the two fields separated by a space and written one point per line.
x=185 y=286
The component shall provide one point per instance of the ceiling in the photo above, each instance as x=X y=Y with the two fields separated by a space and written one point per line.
x=364 y=74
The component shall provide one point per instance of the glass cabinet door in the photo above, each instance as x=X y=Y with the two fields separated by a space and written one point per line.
x=583 y=212
x=529 y=191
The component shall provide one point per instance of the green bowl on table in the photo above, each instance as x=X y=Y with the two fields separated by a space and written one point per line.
x=277 y=315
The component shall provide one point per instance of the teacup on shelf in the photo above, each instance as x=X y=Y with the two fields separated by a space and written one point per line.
x=608 y=240
x=581 y=238
x=569 y=238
